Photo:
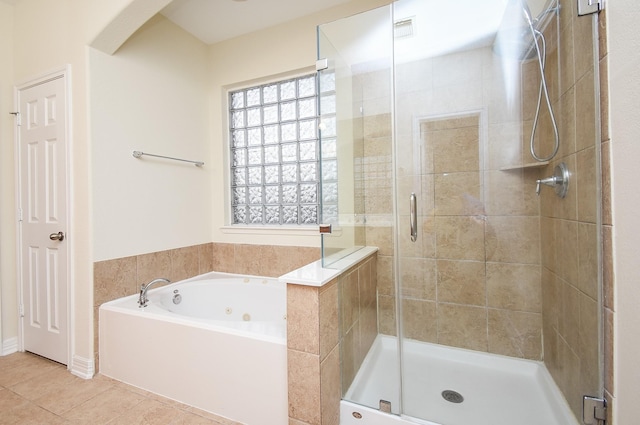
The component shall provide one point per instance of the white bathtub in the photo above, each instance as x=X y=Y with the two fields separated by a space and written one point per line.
x=221 y=349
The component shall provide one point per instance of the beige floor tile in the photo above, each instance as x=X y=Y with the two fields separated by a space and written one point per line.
x=104 y=407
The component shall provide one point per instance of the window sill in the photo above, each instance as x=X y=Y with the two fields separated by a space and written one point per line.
x=271 y=230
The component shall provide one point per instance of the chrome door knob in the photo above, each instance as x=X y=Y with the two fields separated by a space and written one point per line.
x=57 y=236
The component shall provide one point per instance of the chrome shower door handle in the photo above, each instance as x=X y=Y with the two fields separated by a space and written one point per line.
x=413 y=217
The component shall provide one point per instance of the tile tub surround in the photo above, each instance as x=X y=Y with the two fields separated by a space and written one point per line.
x=325 y=335
x=123 y=276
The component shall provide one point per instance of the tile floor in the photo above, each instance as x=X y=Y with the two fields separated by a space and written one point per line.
x=34 y=390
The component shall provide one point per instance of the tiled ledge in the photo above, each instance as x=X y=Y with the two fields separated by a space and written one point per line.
x=314 y=274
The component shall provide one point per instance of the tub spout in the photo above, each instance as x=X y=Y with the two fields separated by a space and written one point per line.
x=142 y=301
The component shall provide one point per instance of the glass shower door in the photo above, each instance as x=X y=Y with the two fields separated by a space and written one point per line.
x=442 y=131
x=492 y=266
x=358 y=53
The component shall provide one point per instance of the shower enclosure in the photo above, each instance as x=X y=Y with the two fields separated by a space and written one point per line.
x=442 y=125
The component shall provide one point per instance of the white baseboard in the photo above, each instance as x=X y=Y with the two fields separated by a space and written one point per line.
x=9 y=346
x=82 y=368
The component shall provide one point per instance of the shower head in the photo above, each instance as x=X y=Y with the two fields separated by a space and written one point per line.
x=516 y=37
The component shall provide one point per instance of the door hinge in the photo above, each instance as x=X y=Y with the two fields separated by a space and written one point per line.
x=21 y=310
x=19 y=214
x=18 y=120
x=587 y=7
x=594 y=410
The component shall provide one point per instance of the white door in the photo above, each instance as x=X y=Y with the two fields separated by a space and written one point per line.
x=43 y=212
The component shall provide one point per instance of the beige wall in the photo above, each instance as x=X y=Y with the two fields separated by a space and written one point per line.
x=624 y=84
x=151 y=95
x=7 y=212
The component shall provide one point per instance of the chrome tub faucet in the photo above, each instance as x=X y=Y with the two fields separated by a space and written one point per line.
x=142 y=301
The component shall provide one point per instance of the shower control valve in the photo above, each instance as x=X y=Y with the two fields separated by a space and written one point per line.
x=559 y=180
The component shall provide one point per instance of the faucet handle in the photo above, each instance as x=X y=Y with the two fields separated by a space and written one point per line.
x=559 y=180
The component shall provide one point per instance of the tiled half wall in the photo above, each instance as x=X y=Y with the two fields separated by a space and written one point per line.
x=328 y=327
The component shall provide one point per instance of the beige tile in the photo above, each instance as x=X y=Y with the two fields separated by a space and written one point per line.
x=149 y=412
x=22 y=367
x=329 y=319
x=419 y=320
x=368 y=281
x=418 y=278
x=567 y=250
x=223 y=257
x=462 y=326
x=570 y=377
x=502 y=151
x=605 y=132
x=349 y=300
x=587 y=189
x=114 y=279
x=548 y=242
x=184 y=263
x=569 y=315
x=606 y=184
x=152 y=266
x=511 y=192
x=368 y=324
x=513 y=239
x=330 y=393
x=31 y=414
x=514 y=287
x=386 y=285
x=566 y=120
x=303 y=317
x=349 y=356
x=59 y=391
x=381 y=237
x=567 y=64
x=205 y=258
x=377 y=125
x=245 y=259
x=568 y=206
x=608 y=277
x=99 y=409
x=590 y=366
x=461 y=282
x=460 y=238
x=588 y=259
x=387 y=315
x=304 y=386
x=551 y=299
x=608 y=324
x=515 y=333
x=458 y=194
x=455 y=149
x=583 y=47
x=10 y=400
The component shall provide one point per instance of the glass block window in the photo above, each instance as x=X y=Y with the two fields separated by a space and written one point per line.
x=274 y=146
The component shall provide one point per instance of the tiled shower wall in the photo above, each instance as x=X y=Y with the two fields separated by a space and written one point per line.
x=123 y=276
x=569 y=228
x=472 y=279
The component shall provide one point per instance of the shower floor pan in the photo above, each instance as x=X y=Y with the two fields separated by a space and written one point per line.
x=452 y=386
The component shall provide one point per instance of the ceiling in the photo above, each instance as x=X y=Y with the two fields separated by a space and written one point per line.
x=215 y=20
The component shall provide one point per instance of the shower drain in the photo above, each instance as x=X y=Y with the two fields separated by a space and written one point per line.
x=452 y=396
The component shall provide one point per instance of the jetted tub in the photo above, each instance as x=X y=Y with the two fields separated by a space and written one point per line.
x=221 y=347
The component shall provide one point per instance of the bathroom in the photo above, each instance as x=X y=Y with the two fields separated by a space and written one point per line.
x=149 y=197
